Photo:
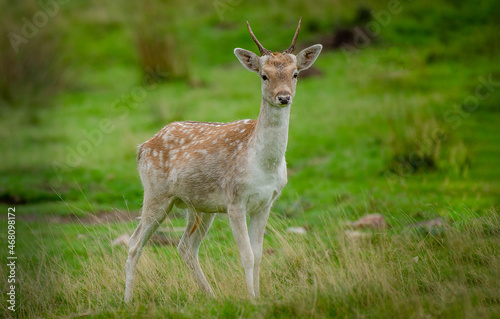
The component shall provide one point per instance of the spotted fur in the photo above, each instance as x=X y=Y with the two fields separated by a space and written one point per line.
x=237 y=168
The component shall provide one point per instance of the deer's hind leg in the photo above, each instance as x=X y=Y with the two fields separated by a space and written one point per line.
x=154 y=211
x=196 y=229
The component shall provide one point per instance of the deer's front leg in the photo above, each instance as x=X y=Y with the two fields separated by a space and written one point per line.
x=238 y=222
x=257 y=227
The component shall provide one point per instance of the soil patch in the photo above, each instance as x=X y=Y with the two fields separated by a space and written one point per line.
x=96 y=218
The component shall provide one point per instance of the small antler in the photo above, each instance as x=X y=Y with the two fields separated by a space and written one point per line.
x=263 y=51
x=291 y=49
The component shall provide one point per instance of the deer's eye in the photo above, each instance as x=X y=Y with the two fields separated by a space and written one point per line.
x=295 y=75
x=264 y=77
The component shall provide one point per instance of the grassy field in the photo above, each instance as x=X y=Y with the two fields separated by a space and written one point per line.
x=404 y=124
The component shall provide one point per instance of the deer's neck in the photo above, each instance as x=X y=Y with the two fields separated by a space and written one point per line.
x=270 y=137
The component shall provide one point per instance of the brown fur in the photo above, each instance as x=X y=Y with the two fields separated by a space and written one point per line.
x=196 y=224
x=192 y=141
x=280 y=61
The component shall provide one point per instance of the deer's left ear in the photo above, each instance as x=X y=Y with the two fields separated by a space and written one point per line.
x=249 y=59
x=306 y=57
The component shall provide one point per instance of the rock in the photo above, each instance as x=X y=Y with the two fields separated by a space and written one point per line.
x=122 y=240
x=173 y=229
x=158 y=238
x=429 y=227
x=161 y=239
x=296 y=230
x=436 y=222
x=375 y=221
x=356 y=234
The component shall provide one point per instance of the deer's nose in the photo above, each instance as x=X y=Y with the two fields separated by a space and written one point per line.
x=283 y=98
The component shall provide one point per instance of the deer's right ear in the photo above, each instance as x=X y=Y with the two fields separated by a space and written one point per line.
x=249 y=59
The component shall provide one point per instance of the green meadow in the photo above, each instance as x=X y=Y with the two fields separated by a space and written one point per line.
x=401 y=118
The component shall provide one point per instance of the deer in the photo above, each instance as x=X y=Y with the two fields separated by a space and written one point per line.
x=235 y=168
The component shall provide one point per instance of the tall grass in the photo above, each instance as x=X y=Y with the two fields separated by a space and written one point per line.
x=398 y=273
x=161 y=53
x=33 y=69
x=415 y=144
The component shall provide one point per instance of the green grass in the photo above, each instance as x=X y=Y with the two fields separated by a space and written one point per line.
x=354 y=133
x=396 y=273
x=340 y=138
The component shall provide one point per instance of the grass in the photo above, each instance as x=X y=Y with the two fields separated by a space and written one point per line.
x=343 y=131
x=386 y=129
x=160 y=52
x=395 y=273
x=32 y=71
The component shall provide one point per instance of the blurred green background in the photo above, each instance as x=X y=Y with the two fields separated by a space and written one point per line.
x=390 y=120
x=400 y=115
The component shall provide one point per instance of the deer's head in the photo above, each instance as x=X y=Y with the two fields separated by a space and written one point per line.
x=278 y=71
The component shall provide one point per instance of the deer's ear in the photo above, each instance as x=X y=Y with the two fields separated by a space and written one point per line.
x=249 y=59
x=306 y=57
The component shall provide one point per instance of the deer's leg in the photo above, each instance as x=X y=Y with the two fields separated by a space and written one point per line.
x=196 y=229
x=153 y=214
x=238 y=222
x=257 y=227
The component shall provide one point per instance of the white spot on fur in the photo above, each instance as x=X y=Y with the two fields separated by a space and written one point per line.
x=173 y=175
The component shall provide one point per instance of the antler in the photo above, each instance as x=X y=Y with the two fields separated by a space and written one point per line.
x=291 y=49
x=263 y=51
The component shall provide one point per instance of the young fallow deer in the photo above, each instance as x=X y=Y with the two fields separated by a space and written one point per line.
x=236 y=168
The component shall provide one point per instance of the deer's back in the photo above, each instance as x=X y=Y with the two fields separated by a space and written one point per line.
x=193 y=158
